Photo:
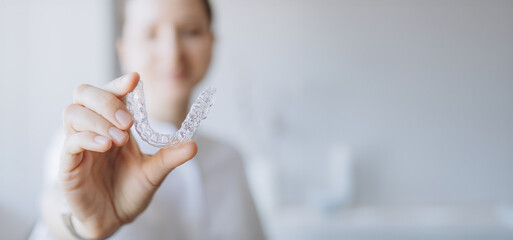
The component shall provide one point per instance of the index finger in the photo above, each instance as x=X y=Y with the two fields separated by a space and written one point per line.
x=123 y=85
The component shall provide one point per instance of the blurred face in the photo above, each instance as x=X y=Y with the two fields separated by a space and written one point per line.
x=169 y=42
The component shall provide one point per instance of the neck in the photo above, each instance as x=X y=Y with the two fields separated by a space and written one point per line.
x=175 y=113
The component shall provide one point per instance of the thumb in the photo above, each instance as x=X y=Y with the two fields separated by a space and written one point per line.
x=157 y=167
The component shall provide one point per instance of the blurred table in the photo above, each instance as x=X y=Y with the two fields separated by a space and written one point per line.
x=417 y=222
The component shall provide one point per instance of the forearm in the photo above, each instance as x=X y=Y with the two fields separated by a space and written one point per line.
x=52 y=210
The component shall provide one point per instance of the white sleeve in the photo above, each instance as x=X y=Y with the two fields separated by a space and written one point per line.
x=50 y=175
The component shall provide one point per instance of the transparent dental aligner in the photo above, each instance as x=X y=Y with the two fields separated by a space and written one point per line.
x=199 y=111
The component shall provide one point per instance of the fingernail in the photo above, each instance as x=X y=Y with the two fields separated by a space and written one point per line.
x=116 y=134
x=124 y=118
x=100 y=140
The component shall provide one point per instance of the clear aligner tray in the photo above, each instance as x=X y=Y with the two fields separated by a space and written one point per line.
x=199 y=110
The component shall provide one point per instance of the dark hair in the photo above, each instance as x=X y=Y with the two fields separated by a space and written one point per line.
x=208 y=9
x=120 y=8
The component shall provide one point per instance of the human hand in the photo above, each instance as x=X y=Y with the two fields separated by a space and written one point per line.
x=106 y=180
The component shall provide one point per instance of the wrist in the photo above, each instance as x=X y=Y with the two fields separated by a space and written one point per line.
x=83 y=232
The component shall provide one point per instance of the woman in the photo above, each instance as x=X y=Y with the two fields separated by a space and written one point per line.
x=105 y=176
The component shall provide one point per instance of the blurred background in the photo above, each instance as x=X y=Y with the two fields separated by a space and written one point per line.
x=357 y=119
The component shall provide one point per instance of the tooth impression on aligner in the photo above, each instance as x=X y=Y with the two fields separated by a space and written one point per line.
x=136 y=104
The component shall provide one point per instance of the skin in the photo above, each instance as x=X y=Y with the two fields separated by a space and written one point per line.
x=169 y=42
x=105 y=179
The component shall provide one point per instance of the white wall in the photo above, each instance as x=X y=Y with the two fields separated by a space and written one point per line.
x=418 y=92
